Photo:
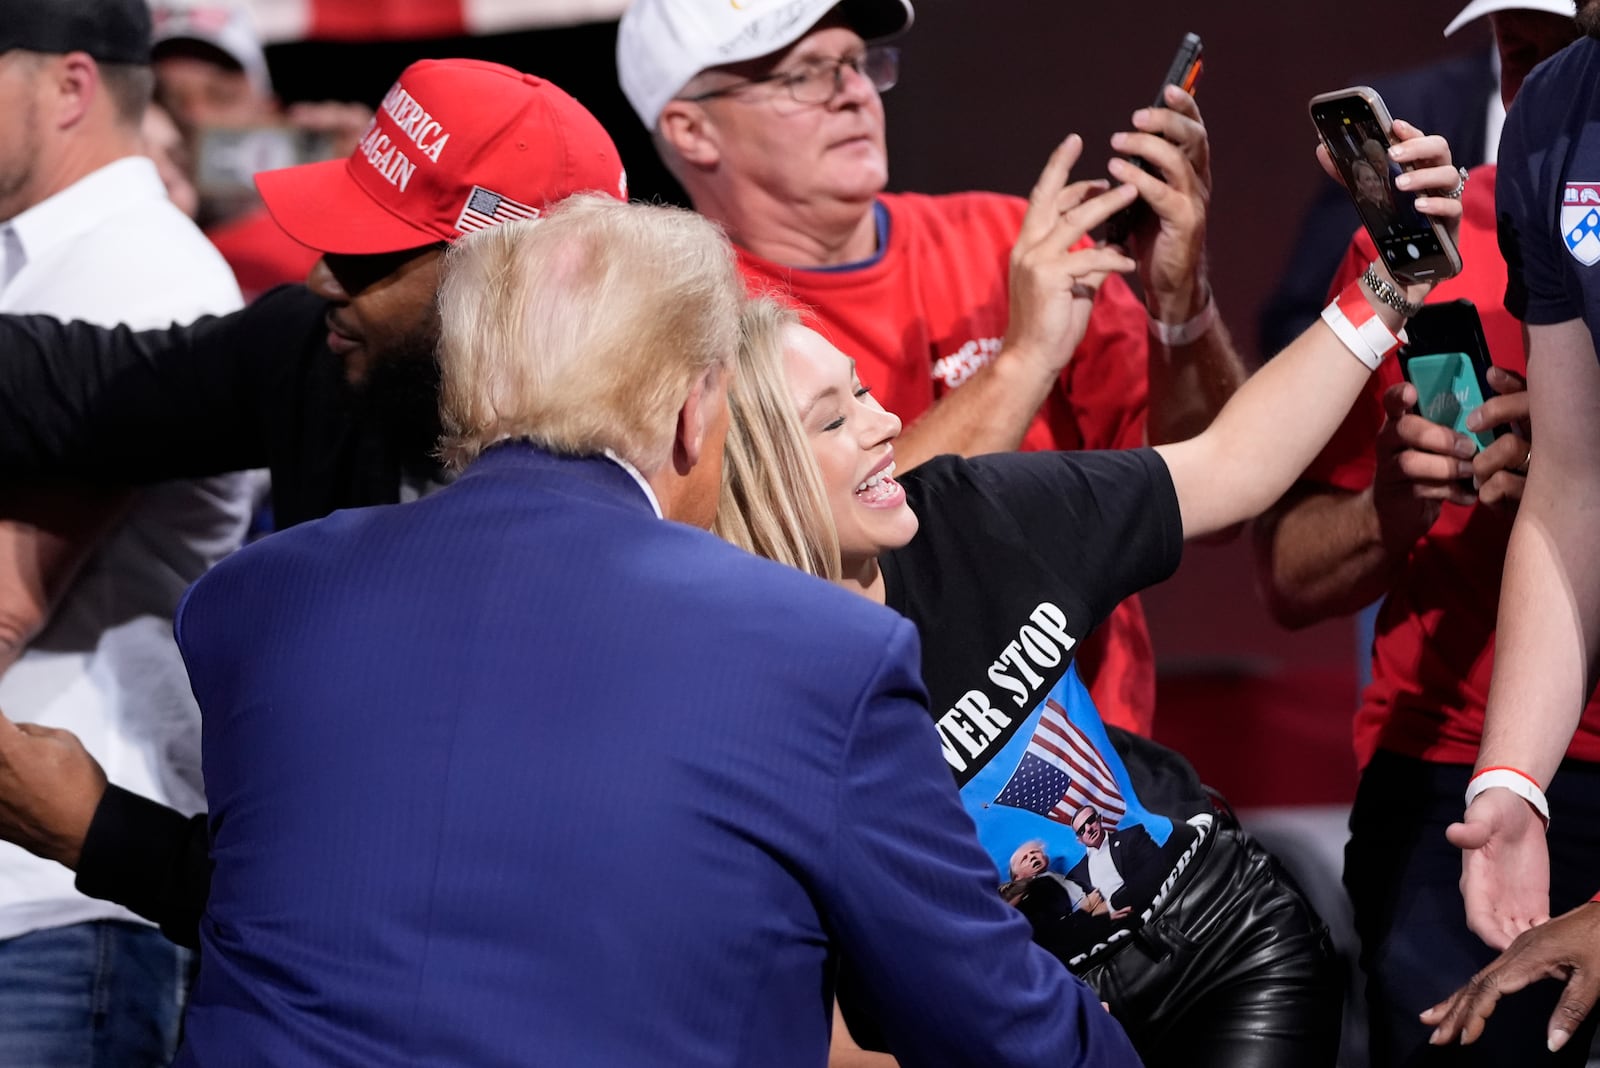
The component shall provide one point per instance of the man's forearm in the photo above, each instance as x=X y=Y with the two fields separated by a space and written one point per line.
x=1190 y=383
x=1320 y=554
x=990 y=412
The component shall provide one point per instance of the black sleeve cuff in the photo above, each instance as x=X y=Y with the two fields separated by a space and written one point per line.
x=148 y=858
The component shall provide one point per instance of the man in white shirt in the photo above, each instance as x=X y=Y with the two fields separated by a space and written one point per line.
x=88 y=583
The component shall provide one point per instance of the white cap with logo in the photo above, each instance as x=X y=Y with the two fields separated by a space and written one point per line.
x=662 y=44
x=1479 y=8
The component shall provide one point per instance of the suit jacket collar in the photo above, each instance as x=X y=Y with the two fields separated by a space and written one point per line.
x=600 y=478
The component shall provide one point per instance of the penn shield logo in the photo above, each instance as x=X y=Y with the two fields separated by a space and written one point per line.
x=1580 y=221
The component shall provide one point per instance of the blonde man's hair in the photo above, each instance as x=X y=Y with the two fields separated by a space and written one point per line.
x=773 y=502
x=583 y=331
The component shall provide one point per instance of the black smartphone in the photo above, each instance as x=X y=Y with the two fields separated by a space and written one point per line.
x=1447 y=359
x=1357 y=130
x=1184 y=72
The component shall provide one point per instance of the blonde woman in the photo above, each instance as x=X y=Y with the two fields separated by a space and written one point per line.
x=1207 y=953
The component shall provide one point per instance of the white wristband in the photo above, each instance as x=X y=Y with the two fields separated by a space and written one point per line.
x=1357 y=325
x=1173 y=335
x=1515 y=781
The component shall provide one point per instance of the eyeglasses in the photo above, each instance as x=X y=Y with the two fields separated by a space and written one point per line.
x=820 y=80
x=1091 y=821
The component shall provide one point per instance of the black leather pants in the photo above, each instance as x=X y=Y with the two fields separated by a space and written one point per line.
x=1236 y=971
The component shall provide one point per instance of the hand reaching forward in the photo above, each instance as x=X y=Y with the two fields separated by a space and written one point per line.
x=1568 y=948
x=49 y=789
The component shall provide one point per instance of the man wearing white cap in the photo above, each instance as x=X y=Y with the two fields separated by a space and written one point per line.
x=974 y=317
x=1400 y=508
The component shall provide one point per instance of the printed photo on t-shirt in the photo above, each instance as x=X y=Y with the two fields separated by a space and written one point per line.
x=1073 y=847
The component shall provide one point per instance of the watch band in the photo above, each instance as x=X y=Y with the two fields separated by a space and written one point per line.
x=1387 y=293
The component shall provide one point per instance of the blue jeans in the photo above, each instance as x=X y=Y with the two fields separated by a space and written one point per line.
x=1403 y=877
x=91 y=995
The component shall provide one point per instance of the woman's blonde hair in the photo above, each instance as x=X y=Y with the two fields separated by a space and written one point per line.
x=773 y=502
x=584 y=330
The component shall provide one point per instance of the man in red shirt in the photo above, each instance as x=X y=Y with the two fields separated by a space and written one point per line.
x=988 y=323
x=1401 y=508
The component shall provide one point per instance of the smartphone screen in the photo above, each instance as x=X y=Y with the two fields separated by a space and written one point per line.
x=1357 y=142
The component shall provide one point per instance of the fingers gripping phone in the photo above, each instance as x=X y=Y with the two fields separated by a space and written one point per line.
x=1184 y=72
x=1447 y=359
x=1356 y=129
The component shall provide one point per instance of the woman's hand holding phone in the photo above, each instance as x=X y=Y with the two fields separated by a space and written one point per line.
x=1431 y=176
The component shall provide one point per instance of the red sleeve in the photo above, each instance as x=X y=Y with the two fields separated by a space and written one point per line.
x=1107 y=381
x=1350 y=460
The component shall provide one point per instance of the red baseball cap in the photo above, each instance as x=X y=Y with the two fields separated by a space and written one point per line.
x=457 y=145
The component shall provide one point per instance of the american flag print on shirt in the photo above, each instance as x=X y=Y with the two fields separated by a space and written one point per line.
x=485 y=209
x=1061 y=772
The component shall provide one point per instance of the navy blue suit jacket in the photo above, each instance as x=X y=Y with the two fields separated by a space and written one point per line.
x=521 y=774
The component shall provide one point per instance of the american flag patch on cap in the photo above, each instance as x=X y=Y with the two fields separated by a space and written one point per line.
x=485 y=209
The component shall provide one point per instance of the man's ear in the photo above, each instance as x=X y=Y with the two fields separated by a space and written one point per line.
x=75 y=84
x=694 y=420
x=689 y=131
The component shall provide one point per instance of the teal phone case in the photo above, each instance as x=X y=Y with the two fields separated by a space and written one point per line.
x=1447 y=391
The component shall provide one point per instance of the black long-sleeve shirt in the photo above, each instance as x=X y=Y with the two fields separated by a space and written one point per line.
x=258 y=388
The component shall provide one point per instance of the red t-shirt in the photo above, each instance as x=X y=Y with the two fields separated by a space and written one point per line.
x=931 y=309
x=1434 y=648
x=260 y=253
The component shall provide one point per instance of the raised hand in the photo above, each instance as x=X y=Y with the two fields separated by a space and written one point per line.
x=1170 y=246
x=1053 y=283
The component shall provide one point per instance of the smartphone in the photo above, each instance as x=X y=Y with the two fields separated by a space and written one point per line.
x=1357 y=130
x=1183 y=72
x=1447 y=359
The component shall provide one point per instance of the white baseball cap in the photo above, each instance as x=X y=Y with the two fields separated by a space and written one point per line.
x=1479 y=8
x=661 y=44
x=226 y=27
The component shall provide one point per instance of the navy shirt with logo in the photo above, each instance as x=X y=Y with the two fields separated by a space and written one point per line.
x=1548 y=193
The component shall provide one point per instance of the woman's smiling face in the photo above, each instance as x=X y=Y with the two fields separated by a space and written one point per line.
x=852 y=438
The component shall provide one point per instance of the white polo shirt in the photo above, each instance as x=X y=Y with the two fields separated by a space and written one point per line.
x=112 y=249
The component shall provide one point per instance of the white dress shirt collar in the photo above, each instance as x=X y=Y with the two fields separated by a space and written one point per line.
x=633 y=473
x=85 y=204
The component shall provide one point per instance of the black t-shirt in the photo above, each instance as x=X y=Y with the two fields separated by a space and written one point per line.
x=1017 y=559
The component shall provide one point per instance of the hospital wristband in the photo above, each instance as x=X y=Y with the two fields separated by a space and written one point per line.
x=1187 y=332
x=1357 y=324
x=1520 y=783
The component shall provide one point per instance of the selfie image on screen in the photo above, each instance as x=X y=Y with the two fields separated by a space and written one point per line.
x=1361 y=152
